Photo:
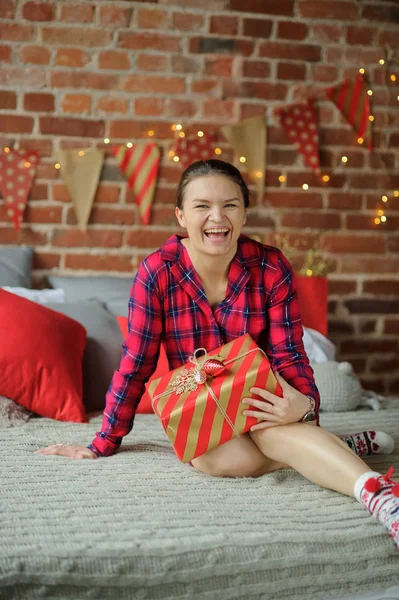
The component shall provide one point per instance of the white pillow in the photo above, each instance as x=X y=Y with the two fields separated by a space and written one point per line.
x=39 y=296
x=318 y=348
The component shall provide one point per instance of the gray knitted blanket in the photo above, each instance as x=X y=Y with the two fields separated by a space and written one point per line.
x=142 y=525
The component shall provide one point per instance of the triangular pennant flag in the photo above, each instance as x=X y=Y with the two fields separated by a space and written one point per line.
x=17 y=171
x=248 y=139
x=353 y=101
x=193 y=147
x=299 y=121
x=81 y=171
x=140 y=165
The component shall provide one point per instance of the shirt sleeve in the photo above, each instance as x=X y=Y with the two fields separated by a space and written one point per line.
x=285 y=347
x=138 y=362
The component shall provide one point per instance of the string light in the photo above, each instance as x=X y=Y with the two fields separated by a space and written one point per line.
x=171 y=153
x=258 y=174
x=129 y=145
x=393 y=77
x=179 y=127
x=151 y=133
x=396 y=193
x=370 y=92
x=384 y=198
x=243 y=159
x=383 y=218
x=182 y=134
x=81 y=153
x=282 y=178
x=106 y=140
x=344 y=159
x=176 y=159
x=218 y=151
x=326 y=178
x=305 y=187
x=371 y=118
x=362 y=71
x=6 y=150
x=360 y=140
x=200 y=134
x=309 y=272
x=57 y=166
x=27 y=164
x=382 y=61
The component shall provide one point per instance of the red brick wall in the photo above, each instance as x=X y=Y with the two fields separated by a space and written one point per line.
x=74 y=73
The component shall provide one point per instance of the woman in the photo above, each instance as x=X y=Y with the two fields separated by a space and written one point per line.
x=204 y=290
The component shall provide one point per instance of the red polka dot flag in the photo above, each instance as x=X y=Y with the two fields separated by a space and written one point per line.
x=193 y=147
x=299 y=121
x=17 y=172
x=140 y=165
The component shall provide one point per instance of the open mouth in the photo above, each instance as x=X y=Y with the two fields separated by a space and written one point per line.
x=217 y=233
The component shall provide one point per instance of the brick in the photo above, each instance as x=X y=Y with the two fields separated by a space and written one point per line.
x=185 y=64
x=292 y=30
x=71 y=57
x=6 y=54
x=269 y=7
x=224 y=25
x=145 y=238
x=219 y=65
x=155 y=84
x=9 y=235
x=324 y=73
x=366 y=265
x=38 y=11
x=203 y=86
x=76 y=103
x=43 y=214
x=378 y=306
x=338 y=326
x=338 y=137
x=164 y=195
x=83 y=79
x=215 y=5
x=149 y=107
x=93 y=238
x=344 y=200
x=7 y=9
x=341 y=287
x=384 y=365
x=258 y=28
x=322 y=32
x=10 y=123
x=112 y=59
x=107 y=194
x=8 y=100
x=76 y=36
x=251 y=110
x=129 y=129
x=333 y=9
x=181 y=108
x=363 y=36
x=254 y=89
x=381 y=287
x=256 y=69
x=368 y=181
x=133 y=40
x=39 y=191
x=393 y=244
x=46 y=261
x=151 y=18
x=152 y=62
x=391 y=326
x=367 y=222
x=39 y=102
x=359 y=56
x=209 y=45
x=388 y=37
x=114 y=16
x=378 y=12
x=110 y=104
x=304 y=52
x=291 y=71
x=105 y=216
x=38 y=55
x=74 y=127
x=218 y=108
x=99 y=262
x=312 y=220
x=77 y=13
x=341 y=243
x=281 y=156
x=293 y=200
x=14 y=32
x=169 y=173
x=367 y=326
x=187 y=21
x=162 y=215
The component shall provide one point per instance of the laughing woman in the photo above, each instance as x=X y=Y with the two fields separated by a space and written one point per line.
x=205 y=289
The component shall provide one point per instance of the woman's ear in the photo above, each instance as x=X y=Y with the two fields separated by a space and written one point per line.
x=245 y=217
x=180 y=217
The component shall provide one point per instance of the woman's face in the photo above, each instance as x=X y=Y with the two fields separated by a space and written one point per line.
x=213 y=214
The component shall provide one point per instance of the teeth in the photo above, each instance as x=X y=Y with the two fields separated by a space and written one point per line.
x=216 y=230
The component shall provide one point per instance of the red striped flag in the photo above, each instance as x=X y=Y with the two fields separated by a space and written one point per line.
x=140 y=165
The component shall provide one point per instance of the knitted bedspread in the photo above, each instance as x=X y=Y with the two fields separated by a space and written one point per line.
x=142 y=525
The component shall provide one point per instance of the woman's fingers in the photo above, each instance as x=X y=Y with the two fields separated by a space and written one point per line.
x=66 y=450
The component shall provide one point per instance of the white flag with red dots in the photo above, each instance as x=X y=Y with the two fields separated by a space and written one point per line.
x=17 y=172
x=300 y=123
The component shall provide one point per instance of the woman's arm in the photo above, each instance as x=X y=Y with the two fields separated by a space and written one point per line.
x=139 y=359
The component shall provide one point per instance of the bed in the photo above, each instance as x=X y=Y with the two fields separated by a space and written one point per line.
x=142 y=525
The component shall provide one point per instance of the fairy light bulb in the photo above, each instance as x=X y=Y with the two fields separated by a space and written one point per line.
x=393 y=77
x=305 y=187
x=326 y=178
x=381 y=61
x=344 y=159
x=243 y=159
x=360 y=140
x=218 y=151
x=396 y=193
x=362 y=71
x=281 y=178
x=200 y=134
x=151 y=133
x=384 y=198
x=258 y=174
x=179 y=127
x=129 y=144
x=377 y=221
x=383 y=218
x=106 y=140
x=57 y=166
x=27 y=164
x=171 y=153
x=309 y=272
x=371 y=118
x=380 y=212
x=370 y=92
x=6 y=150
x=176 y=159
x=81 y=153
x=182 y=134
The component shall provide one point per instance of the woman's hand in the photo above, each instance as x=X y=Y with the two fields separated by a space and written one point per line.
x=275 y=410
x=67 y=450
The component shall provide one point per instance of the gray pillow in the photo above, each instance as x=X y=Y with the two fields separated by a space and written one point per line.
x=103 y=348
x=16 y=266
x=112 y=291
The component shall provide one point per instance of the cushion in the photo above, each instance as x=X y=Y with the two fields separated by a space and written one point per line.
x=40 y=296
x=41 y=353
x=114 y=292
x=162 y=368
x=103 y=348
x=16 y=266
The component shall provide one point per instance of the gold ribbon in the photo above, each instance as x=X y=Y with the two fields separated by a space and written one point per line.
x=186 y=382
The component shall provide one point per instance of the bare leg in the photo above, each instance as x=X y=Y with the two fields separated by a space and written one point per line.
x=317 y=454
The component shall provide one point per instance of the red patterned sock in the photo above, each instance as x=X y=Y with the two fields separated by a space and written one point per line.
x=369 y=442
x=380 y=495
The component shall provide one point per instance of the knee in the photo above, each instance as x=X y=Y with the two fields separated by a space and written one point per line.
x=222 y=468
x=274 y=440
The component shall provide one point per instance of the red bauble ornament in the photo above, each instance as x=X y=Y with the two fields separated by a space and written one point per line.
x=213 y=367
x=372 y=485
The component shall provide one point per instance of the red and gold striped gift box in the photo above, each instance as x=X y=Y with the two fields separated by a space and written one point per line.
x=199 y=404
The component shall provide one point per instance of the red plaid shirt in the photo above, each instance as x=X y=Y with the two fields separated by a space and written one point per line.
x=168 y=305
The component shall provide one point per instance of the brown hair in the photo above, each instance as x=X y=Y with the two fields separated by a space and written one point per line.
x=210 y=167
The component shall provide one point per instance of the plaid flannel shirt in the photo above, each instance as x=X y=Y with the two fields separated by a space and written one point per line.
x=168 y=305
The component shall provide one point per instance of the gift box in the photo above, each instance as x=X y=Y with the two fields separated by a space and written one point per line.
x=199 y=404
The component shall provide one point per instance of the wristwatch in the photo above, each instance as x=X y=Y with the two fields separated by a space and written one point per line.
x=310 y=415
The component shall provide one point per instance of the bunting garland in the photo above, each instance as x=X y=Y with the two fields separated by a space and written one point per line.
x=17 y=172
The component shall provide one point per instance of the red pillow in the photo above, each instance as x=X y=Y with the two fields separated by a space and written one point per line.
x=162 y=368
x=41 y=354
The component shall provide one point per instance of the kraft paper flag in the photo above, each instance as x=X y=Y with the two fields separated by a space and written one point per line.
x=81 y=171
x=17 y=171
x=353 y=101
x=194 y=147
x=140 y=166
x=248 y=139
x=299 y=121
